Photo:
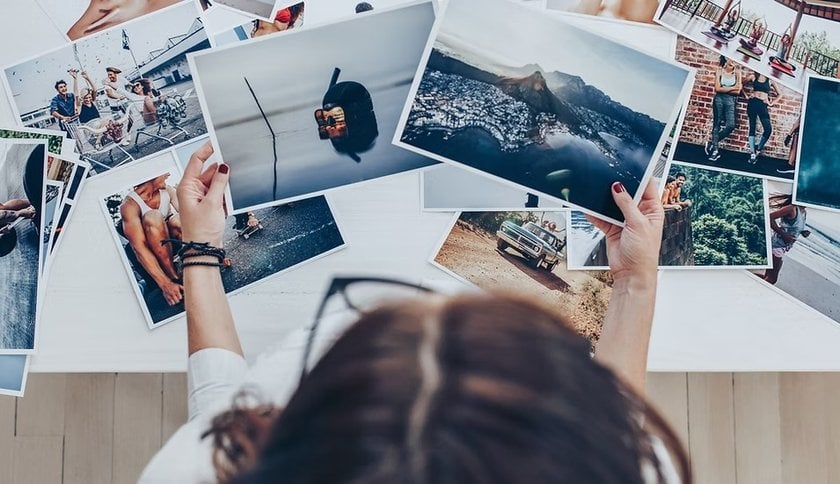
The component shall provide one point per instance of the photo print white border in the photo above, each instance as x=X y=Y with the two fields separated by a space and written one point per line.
x=562 y=22
x=796 y=200
x=173 y=166
x=232 y=209
x=69 y=145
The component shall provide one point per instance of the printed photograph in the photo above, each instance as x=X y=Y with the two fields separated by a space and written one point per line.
x=566 y=123
x=641 y=11
x=80 y=18
x=13 y=371
x=712 y=220
x=52 y=199
x=818 y=175
x=447 y=188
x=525 y=252
x=260 y=8
x=781 y=40
x=21 y=201
x=122 y=94
x=293 y=16
x=806 y=252
x=259 y=243
x=285 y=19
x=54 y=140
x=736 y=119
x=325 y=123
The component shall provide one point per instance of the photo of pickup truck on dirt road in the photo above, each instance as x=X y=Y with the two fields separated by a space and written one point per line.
x=525 y=252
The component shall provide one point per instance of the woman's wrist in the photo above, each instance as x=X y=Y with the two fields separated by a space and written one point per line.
x=635 y=281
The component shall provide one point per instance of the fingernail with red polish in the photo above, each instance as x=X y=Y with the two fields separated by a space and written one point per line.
x=224 y=169
x=618 y=187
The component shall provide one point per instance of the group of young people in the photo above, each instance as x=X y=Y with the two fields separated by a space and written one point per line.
x=79 y=106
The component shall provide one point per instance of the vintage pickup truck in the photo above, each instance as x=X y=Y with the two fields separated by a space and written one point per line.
x=541 y=247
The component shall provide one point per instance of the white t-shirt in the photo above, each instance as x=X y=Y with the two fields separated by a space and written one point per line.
x=215 y=375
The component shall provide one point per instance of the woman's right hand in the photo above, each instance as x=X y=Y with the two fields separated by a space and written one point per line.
x=633 y=251
x=201 y=198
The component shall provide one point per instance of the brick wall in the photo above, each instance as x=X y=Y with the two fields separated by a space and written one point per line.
x=698 y=119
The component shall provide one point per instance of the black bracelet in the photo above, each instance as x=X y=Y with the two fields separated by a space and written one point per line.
x=204 y=263
x=205 y=248
x=200 y=253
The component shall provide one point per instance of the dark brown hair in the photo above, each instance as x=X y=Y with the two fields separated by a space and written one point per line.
x=478 y=388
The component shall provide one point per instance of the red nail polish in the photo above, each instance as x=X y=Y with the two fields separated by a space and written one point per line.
x=224 y=169
x=618 y=187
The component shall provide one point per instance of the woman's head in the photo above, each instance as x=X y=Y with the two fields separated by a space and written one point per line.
x=87 y=97
x=471 y=389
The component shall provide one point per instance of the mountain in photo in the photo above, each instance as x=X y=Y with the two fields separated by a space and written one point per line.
x=547 y=130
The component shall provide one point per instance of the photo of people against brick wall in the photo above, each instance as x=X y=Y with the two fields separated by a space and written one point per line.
x=782 y=39
x=713 y=220
x=737 y=120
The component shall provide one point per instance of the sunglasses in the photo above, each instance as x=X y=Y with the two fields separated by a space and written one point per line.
x=352 y=297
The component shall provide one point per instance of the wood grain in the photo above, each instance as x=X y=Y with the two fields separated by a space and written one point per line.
x=711 y=424
x=89 y=428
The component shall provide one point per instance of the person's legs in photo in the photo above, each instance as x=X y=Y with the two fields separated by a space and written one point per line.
x=157 y=230
x=717 y=107
x=772 y=275
x=766 y=126
x=752 y=115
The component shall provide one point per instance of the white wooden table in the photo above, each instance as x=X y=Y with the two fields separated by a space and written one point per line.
x=705 y=320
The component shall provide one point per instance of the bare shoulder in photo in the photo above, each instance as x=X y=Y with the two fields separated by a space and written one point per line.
x=80 y=18
x=564 y=123
x=120 y=95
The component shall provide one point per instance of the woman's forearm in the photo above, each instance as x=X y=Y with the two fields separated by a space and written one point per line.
x=625 y=337
x=209 y=320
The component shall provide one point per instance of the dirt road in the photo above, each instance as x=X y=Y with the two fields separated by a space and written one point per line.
x=472 y=254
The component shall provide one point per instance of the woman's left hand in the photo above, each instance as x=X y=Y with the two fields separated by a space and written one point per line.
x=201 y=199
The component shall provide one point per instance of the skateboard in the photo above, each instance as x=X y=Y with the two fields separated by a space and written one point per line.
x=250 y=229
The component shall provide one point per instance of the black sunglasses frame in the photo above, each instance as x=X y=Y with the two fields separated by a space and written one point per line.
x=338 y=285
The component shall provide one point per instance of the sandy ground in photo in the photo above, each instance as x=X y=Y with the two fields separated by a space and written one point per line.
x=472 y=254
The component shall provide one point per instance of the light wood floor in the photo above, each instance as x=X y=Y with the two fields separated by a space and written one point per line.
x=740 y=428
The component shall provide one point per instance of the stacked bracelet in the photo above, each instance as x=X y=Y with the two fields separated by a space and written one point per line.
x=187 y=250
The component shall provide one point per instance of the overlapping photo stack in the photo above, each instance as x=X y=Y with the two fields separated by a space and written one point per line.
x=518 y=118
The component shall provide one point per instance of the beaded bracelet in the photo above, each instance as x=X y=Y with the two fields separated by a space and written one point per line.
x=223 y=264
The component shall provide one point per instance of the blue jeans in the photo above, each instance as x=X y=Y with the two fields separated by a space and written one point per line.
x=723 y=109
